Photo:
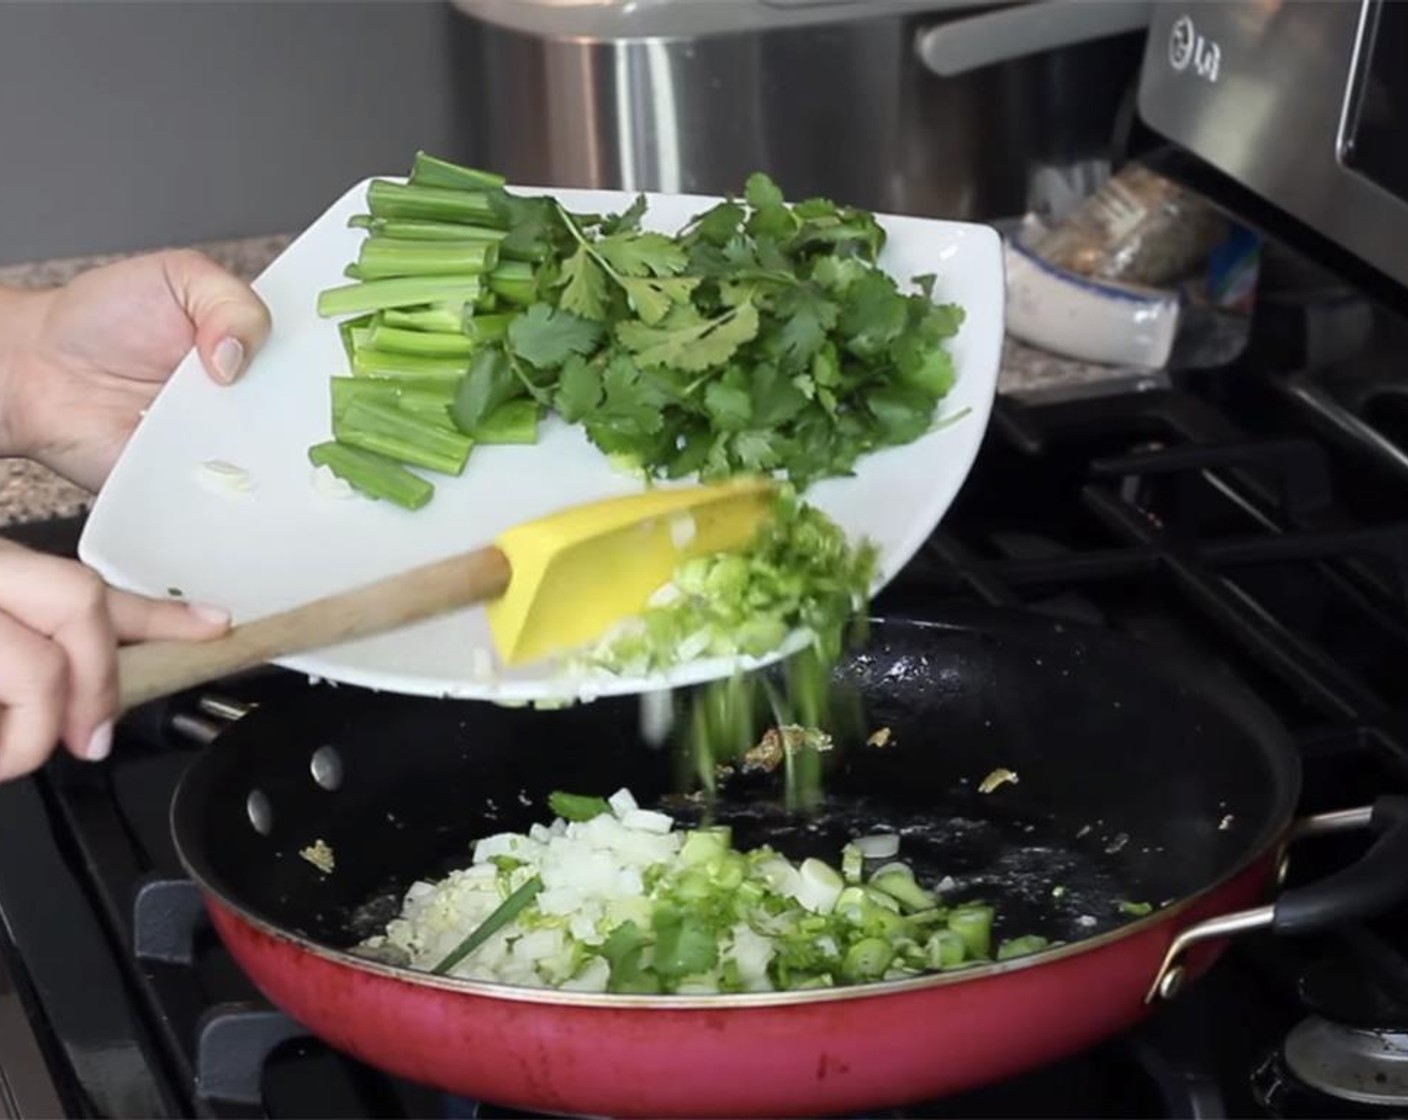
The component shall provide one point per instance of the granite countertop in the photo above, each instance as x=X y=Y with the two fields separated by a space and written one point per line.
x=28 y=492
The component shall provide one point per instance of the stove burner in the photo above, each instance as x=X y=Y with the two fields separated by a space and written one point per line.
x=1364 y=1066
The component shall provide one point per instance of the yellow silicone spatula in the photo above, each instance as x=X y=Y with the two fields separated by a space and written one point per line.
x=548 y=585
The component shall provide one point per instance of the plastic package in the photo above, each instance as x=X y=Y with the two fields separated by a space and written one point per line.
x=1143 y=272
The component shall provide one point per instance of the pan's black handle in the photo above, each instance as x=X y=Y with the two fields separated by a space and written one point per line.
x=1366 y=887
x=1371 y=884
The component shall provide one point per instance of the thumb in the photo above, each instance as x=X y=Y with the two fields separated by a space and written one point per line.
x=230 y=321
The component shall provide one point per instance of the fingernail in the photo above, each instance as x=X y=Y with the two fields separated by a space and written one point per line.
x=228 y=359
x=100 y=743
x=216 y=616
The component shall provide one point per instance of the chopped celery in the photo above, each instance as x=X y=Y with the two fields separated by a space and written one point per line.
x=974 y=924
x=386 y=199
x=415 y=367
x=404 y=436
x=487 y=328
x=385 y=256
x=423 y=229
x=436 y=318
x=372 y=474
x=945 y=949
x=705 y=844
x=513 y=281
x=1021 y=947
x=576 y=806
x=904 y=890
x=354 y=333
x=514 y=421
x=431 y=344
x=432 y=397
x=431 y=171
x=867 y=959
x=399 y=291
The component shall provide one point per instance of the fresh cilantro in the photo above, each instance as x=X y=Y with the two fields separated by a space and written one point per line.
x=807 y=317
x=642 y=254
x=488 y=384
x=729 y=406
x=584 y=285
x=652 y=299
x=546 y=336
x=688 y=341
x=579 y=390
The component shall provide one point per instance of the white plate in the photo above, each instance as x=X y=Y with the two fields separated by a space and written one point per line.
x=157 y=527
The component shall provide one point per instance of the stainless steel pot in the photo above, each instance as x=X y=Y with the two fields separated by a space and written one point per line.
x=940 y=108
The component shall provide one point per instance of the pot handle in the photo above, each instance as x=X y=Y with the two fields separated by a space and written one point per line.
x=1372 y=883
x=957 y=46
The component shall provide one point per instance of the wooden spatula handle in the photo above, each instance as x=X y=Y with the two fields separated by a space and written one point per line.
x=153 y=669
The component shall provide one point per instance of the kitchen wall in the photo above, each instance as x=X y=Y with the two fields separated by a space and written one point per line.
x=128 y=125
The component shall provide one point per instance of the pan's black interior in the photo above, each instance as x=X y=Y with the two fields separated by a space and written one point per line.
x=1140 y=779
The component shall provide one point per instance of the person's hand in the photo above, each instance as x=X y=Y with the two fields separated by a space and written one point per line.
x=86 y=359
x=59 y=629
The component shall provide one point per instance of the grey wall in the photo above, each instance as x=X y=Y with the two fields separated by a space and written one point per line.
x=127 y=125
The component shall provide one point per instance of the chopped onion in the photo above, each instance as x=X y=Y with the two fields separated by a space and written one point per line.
x=819 y=886
x=881 y=845
x=329 y=485
x=225 y=478
x=622 y=802
x=647 y=820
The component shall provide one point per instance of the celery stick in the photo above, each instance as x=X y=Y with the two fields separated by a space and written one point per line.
x=372 y=474
x=439 y=318
x=518 y=292
x=431 y=398
x=368 y=362
x=402 y=291
x=487 y=328
x=514 y=421
x=403 y=436
x=513 y=280
x=394 y=200
x=354 y=333
x=424 y=229
x=386 y=256
x=512 y=270
x=431 y=171
x=430 y=344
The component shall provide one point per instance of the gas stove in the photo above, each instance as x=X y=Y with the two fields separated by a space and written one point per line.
x=1252 y=518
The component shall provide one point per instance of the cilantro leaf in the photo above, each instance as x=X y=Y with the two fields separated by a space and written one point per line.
x=642 y=254
x=545 y=336
x=531 y=223
x=903 y=414
x=807 y=317
x=775 y=398
x=771 y=217
x=874 y=314
x=652 y=298
x=719 y=224
x=729 y=406
x=628 y=219
x=755 y=450
x=579 y=390
x=488 y=384
x=584 y=286
x=687 y=340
